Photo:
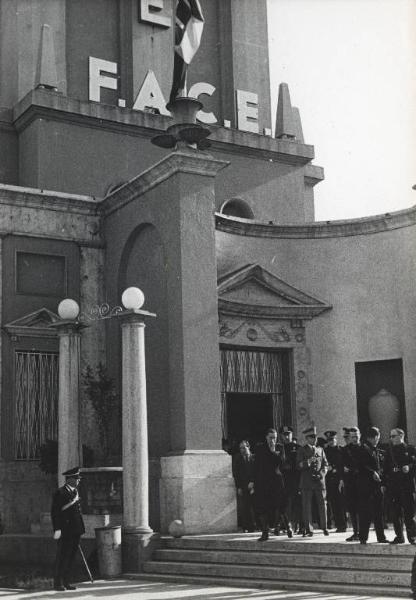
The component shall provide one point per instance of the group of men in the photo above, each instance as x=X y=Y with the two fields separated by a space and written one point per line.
x=283 y=485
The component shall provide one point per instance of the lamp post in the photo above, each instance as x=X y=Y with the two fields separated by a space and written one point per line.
x=69 y=439
x=136 y=530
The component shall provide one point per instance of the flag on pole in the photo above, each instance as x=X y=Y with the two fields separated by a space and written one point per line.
x=189 y=23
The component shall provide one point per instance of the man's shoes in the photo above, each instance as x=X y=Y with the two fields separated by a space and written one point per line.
x=353 y=538
x=289 y=533
x=326 y=532
x=264 y=537
x=308 y=534
x=276 y=531
x=412 y=541
x=383 y=541
x=68 y=586
x=363 y=542
x=397 y=540
x=59 y=588
x=340 y=530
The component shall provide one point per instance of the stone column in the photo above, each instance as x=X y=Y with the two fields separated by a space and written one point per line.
x=69 y=438
x=137 y=534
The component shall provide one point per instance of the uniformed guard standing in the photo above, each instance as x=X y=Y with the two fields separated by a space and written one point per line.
x=312 y=463
x=370 y=500
x=335 y=497
x=291 y=477
x=68 y=527
x=349 y=481
x=399 y=474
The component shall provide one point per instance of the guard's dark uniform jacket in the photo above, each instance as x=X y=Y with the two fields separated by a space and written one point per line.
x=66 y=512
x=370 y=495
x=66 y=516
x=401 y=488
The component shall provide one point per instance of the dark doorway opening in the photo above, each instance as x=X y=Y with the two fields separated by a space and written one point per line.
x=380 y=395
x=249 y=416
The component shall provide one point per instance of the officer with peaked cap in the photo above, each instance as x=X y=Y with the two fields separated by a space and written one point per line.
x=68 y=527
x=399 y=476
x=312 y=463
x=335 y=498
x=370 y=494
x=349 y=480
x=291 y=477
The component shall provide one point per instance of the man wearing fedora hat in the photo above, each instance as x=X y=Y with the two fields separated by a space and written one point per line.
x=68 y=526
x=312 y=462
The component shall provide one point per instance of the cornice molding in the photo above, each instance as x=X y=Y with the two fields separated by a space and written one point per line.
x=47 y=104
x=319 y=229
x=241 y=309
x=195 y=163
x=41 y=199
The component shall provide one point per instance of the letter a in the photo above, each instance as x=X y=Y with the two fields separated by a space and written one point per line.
x=150 y=95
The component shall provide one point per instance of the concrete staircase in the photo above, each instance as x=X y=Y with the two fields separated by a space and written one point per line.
x=315 y=564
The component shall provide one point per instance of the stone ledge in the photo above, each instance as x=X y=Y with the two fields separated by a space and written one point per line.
x=319 y=229
x=46 y=104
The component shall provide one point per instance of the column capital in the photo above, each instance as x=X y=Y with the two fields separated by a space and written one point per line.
x=138 y=316
x=68 y=327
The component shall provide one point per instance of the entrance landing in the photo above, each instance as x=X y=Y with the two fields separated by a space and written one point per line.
x=318 y=564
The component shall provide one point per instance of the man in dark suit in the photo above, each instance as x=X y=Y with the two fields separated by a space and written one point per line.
x=268 y=484
x=370 y=494
x=68 y=526
x=243 y=473
x=336 y=500
x=312 y=463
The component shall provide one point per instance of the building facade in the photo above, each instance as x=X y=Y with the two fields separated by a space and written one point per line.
x=264 y=316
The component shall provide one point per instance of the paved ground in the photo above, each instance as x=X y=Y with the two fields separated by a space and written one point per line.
x=122 y=589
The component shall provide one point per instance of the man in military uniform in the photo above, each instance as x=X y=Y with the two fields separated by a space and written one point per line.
x=291 y=477
x=370 y=501
x=68 y=527
x=399 y=474
x=243 y=473
x=335 y=497
x=268 y=483
x=349 y=480
x=312 y=463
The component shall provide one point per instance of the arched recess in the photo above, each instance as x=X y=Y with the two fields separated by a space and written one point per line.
x=236 y=207
x=143 y=265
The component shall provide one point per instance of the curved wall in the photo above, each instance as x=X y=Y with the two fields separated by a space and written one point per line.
x=366 y=269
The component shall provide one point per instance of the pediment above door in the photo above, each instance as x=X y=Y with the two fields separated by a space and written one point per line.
x=252 y=291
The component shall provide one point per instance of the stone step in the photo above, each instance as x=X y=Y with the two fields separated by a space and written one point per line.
x=379 y=592
x=297 y=545
x=316 y=575
x=288 y=559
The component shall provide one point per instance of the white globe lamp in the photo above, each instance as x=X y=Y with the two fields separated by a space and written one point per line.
x=68 y=309
x=132 y=298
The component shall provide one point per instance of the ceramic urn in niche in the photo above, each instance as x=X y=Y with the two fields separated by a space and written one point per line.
x=384 y=412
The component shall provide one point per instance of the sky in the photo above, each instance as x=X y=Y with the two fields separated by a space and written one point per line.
x=351 y=70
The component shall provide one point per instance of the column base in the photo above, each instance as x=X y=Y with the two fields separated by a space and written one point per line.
x=197 y=488
x=136 y=549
